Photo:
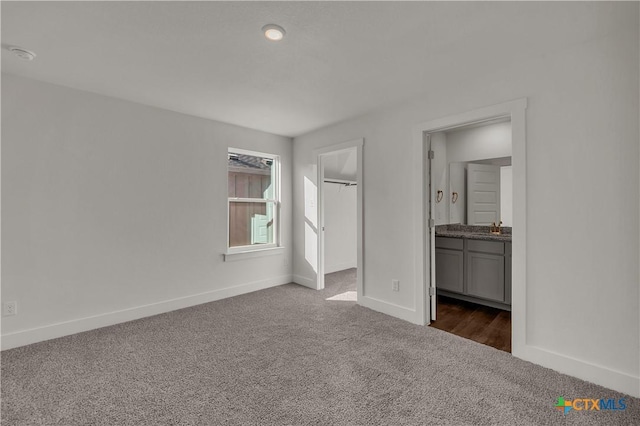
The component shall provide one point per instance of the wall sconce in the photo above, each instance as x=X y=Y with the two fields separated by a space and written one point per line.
x=439 y=196
x=454 y=197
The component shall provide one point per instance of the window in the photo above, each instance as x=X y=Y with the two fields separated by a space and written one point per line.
x=254 y=190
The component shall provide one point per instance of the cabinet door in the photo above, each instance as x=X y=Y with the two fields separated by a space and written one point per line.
x=449 y=270
x=485 y=276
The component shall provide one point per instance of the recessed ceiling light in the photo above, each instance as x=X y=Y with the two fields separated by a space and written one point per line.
x=23 y=54
x=273 y=32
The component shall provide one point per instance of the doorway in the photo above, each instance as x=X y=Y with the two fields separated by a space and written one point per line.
x=428 y=196
x=340 y=218
x=470 y=171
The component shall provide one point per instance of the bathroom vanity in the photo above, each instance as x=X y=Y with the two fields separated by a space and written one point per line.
x=473 y=264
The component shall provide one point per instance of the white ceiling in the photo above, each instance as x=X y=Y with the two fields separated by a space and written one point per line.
x=338 y=59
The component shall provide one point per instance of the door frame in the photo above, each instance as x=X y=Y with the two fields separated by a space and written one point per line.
x=321 y=154
x=424 y=239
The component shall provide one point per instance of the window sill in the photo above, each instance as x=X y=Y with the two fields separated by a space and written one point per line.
x=249 y=254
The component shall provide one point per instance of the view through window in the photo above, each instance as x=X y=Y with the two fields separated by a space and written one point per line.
x=253 y=199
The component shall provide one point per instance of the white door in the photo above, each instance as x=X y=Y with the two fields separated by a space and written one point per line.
x=432 y=230
x=483 y=194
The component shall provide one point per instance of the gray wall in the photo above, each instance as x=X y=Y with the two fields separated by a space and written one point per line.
x=113 y=210
x=340 y=223
x=582 y=195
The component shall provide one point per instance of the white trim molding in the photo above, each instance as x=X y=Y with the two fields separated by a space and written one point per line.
x=603 y=376
x=389 y=309
x=52 y=331
x=250 y=254
x=304 y=281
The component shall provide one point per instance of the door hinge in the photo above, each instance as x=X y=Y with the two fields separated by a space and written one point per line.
x=432 y=291
x=431 y=155
x=432 y=223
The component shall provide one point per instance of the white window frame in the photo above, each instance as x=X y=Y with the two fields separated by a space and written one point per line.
x=276 y=182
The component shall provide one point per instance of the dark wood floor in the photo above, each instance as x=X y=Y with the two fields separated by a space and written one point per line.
x=482 y=324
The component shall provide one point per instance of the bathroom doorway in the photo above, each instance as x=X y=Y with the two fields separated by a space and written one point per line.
x=488 y=262
x=470 y=174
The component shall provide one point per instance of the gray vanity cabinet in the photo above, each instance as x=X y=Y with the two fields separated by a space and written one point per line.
x=450 y=264
x=450 y=270
x=507 y=273
x=485 y=269
x=474 y=270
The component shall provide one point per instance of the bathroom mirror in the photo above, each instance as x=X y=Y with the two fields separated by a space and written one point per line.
x=479 y=192
x=470 y=174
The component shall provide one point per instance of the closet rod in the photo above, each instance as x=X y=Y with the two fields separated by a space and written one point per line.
x=341 y=182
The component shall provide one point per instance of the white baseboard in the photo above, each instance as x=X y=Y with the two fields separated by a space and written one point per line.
x=389 y=309
x=304 y=281
x=328 y=269
x=600 y=375
x=52 y=331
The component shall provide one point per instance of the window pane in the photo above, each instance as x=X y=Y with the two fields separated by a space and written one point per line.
x=250 y=176
x=250 y=223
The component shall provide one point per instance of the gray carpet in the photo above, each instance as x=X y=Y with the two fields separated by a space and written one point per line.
x=284 y=356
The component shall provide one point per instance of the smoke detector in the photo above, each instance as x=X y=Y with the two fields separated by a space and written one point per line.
x=23 y=54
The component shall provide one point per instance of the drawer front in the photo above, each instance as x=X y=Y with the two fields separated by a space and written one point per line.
x=507 y=248
x=482 y=246
x=449 y=243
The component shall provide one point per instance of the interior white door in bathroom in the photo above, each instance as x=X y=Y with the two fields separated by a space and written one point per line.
x=483 y=194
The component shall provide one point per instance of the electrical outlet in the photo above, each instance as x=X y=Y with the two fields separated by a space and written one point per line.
x=9 y=308
x=395 y=285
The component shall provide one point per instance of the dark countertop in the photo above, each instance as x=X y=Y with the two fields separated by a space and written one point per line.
x=473 y=233
x=474 y=236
